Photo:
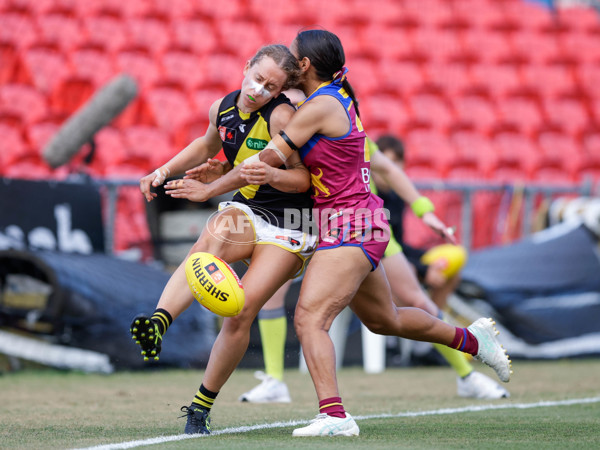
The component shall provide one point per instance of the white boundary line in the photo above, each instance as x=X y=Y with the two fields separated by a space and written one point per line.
x=435 y=412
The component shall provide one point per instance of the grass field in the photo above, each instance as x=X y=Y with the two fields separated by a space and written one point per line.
x=400 y=408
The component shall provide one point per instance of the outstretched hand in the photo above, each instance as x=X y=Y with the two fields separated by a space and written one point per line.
x=153 y=179
x=439 y=227
x=187 y=188
x=208 y=172
x=257 y=173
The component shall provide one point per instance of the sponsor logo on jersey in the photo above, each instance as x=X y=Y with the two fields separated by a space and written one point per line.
x=230 y=116
x=242 y=127
x=227 y=134
x=256 y=144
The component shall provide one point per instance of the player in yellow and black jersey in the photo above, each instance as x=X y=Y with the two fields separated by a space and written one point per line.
x=250 y=227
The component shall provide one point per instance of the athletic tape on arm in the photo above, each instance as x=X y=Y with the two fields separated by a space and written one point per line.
x=278 y=152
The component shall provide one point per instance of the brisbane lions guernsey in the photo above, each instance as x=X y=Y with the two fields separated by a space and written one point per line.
x=244 y=135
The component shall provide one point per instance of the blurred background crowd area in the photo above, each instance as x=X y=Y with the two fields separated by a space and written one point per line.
x=485 y=91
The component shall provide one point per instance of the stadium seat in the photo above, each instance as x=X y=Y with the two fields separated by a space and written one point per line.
x=223 y=63
x=183 y=67
x=383 y=114
x=17 y=29
x=23 y=101
x=169 y=107
x=429 y=148
x=45 y=66
x=400 y=76
x=476 y=110
x=128 y=9
x=524 y=111
x=92 y=63
x=429 y=13
x=241 y=37
x=363 y=75
x=580 y=19
x=436 y=44
x=147 y=147
x=452 y=78
x=105 y=31
x=172 y=9
x=150 y=33
x=582 y=47
x=560 y=150
x=29 y=169
x=515 y=155
x=70 y=94
x=12 y=145
x=202 y=100
x=471 y=145
x=9 y=62
x=60 y=29
x=529 y=15
x=498 y=79
x=549 y=79
x=589 y=79
x=487 y=46
x=140 y=65
x=432 y=109
x=396 y=43
x=110 y=151
x=536 y=47
x=196 y=34
x=567 y=112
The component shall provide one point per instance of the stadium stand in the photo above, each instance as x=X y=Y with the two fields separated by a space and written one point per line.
x=480 y=78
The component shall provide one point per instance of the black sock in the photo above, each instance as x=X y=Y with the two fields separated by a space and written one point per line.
x=204 y=398
x=163 y=320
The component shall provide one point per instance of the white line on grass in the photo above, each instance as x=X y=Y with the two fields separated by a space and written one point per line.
x=435 y=412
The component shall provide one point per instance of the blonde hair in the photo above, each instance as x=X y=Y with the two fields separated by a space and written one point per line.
x=283 y=58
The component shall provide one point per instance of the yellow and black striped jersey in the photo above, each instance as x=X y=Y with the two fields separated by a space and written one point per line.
x=244 y=135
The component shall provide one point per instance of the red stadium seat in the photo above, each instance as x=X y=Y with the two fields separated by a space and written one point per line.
x=148 y=147
x=536 y=47
x=582 y=47
x=92 y=63
x=17 y=29
x=363 y=75
x=150 y=33
x=223 y=72
x=12 y=145
x=499 y=80
x=453 y=78
x=476 y=110
x=110 y=151
x=589 y=79
x=560 y=150
x=529 y=15
x=549 y=79
x=9 y=62
x=45 y=66
x=23 y=101
x=568 y=113
x=383 y=113
x=71 y=93
x=473 y=148
x=202 y=100
x=141 y=66
x=196 y=34
x=183 y=67
x=61 y=30
x=432 y=109
x=524 y=111
x=579 y=19
x=515 y=155
x=487 y=46
x=396 y=43
x=173 y=9
x=436 y=44
x=429 y=148
x=131 y=8
x=169 y=107
x=105 y=31
x=400 y=76
x=241 y=37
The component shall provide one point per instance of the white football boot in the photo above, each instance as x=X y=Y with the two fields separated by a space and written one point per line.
x=478 y=385
x=270 y=390
x=324 y=425
x=490 y=351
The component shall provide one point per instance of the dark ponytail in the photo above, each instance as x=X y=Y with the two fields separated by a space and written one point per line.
x=326 y=54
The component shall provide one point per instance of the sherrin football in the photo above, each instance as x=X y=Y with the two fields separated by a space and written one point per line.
x=214 y=284
x=455 y=257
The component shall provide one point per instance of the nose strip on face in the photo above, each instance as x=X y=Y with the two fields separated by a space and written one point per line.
x=259 y=89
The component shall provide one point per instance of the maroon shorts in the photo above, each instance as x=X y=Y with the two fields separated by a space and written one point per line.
x=370 y=232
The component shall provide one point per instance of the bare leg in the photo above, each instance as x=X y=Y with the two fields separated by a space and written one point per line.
x=330 y=283
x=231 y=245
x=270 y=267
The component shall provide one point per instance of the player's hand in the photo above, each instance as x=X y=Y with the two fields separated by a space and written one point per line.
x=153 y=179
x=257 y=173
x=190 y=189
x=208 y=172
x=439 y=227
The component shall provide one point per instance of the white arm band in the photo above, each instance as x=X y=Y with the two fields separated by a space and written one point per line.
x=278 y=152
x=253 y=159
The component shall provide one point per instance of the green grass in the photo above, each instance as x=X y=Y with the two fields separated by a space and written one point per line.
x=49 y=409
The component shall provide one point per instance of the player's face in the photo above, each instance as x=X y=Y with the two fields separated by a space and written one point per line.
x=262 y=82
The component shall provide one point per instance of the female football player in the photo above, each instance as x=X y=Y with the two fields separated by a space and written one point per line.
x=242 y=122
x=353 y=233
